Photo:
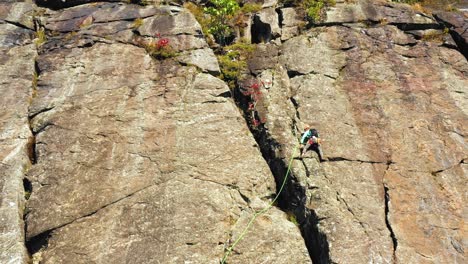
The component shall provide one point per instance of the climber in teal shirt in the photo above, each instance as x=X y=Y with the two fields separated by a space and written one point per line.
x=310 y=139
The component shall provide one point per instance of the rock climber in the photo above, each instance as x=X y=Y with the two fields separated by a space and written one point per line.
x=310 y=139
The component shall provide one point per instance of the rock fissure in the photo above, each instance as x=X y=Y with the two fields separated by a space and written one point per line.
x=334 y=24
x=41 y=111
x=280 y=17
x=41 y=129
x=415 y=26
x=261 y=32
x=61 y=4
x=338 y=159
x=292 y=74
x=32 y=139
x=387 y=221
x=293 y=197
x=17 y=24
x=39 y=241
x=434 y=173
x=461 y=44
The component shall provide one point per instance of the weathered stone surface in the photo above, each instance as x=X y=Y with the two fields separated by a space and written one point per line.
x=73 y=19
x=458 y=23
x=16 y=89
x=11 y=35
x=181 y=29
x=378 y=11
x=269 y=3
x=19 y=13
x=148 y=160
x=86 y=25
x=290 y=23
x=145 y=147
x=137 y=155
x=313 y=53
x=392 y=112
x=265 y=26
x=265 y=57
x=204 y=59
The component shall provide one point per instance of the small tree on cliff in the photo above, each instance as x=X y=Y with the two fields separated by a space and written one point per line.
x=221 y=13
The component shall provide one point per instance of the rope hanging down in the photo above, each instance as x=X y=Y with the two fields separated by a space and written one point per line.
x=229 y=250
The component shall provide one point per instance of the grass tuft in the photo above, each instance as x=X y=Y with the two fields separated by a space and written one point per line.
x=41 y=37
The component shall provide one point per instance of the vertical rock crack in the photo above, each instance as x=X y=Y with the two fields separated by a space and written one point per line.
x=293 y=197
x=387 y=222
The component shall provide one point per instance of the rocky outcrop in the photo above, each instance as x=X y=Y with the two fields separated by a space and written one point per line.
x=139 y=159
x=392 y=112
x=458 y=24
x=290 y=23
x=379 y=11
x=265 y=26
x=16 y=90
x=129 y=148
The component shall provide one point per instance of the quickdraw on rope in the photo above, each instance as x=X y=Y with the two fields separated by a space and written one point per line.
x=229 y=250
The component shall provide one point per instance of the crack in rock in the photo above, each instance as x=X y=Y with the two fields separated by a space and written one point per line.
x=16 y=24
x=387 y=221
x=39 y=241
x=338 y=159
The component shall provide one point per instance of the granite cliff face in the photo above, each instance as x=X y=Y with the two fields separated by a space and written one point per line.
x=110 y=153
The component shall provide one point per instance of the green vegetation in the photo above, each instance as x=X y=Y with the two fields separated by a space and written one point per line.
x=41 y=37
x=220 y=17
x=250 y=8
x=233 y=61
x=221 y=12
x=27 y=194
x=160 y=50
x=137 y=23
x=292 y=218
x=314 y=9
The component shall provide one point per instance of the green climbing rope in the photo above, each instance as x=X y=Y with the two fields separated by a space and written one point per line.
x=229 y=250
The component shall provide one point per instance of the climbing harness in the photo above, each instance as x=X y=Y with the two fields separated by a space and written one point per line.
x=264 y=210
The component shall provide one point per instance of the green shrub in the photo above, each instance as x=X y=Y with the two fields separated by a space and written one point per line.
x=233 y=61
x=251 y=8
x=221 y=14
x=314 y=9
